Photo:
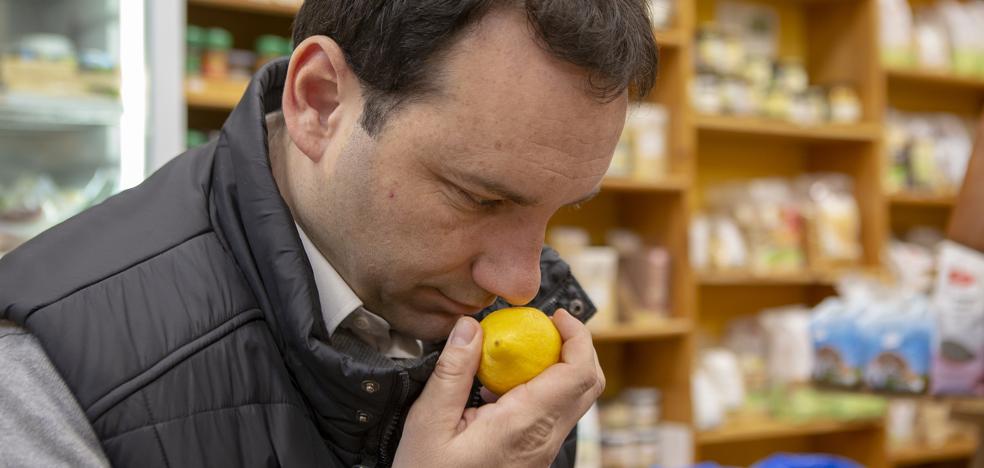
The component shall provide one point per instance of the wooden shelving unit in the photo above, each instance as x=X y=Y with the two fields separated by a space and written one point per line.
x=745 y=441
x=836 y=40
x=936 y=78
x=763 y=429
x=214 y=95
x=672 y=38
x=667 y=184
x=745 y=279
x=759 y=127
x=958 y=448
x=918 y=199
x=666 y=328
x=264 y=7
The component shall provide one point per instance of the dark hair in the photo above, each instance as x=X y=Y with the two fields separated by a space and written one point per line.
x=393 y=46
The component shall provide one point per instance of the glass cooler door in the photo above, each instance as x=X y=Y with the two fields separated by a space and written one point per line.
x=72 y=109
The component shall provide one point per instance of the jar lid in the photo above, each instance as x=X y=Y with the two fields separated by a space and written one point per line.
x=641 y=396
x=219 y=38
x=618 y=437
x=195 y=138
x=194 y=35
x=269 y=44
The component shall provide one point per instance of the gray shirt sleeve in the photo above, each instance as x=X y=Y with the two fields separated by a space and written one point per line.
x=41 y=423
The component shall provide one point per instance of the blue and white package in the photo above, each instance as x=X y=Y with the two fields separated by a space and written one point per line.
x=838 y=352
x=898 y=335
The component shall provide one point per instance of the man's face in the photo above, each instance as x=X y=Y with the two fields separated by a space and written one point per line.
x=446 y=208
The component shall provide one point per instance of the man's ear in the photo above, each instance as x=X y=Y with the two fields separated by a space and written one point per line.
x=318 y=90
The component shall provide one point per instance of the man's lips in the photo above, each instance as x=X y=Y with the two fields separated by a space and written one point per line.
x=458 y=308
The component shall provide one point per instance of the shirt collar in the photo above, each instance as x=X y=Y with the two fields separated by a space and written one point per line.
x=338 y=300
x=340 y=307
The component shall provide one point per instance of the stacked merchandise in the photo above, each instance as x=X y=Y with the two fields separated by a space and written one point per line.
x=627 y=432
x=48 y=82
x=773 y=226
x=51 y=65
x=35 y=201
x=661 y=13
x=739 y=73
x=760 y=371
x=945 y=36
x=641 y=152
x=627 y=280
x=926 y=153
x=925 y=334
x=210 y=54
x=874 y=337
x=917 y=336
x=926 y=422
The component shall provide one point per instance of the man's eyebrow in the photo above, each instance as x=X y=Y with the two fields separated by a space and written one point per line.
x=495 y=188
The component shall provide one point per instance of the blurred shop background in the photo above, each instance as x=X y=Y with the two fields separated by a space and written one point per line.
x=781 y=276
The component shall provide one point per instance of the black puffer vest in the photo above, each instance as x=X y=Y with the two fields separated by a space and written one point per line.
x=184 y=317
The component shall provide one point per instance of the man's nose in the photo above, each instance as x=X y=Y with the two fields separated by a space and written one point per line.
x=510 y=267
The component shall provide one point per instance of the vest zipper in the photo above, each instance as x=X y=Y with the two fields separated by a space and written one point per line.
x=390 y=429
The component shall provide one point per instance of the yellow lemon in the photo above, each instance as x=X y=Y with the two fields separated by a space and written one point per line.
x=519 y=343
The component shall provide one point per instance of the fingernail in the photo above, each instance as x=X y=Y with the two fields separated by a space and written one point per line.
x=463 y=333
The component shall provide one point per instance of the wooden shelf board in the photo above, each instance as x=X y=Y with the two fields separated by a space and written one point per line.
x=664 y=328
x=954 y=449
x=746 y=430
x=756 y=126
x=918 y=199
x=624 y=184
x=251 y=6
x=670 y=38
x=804 y=278
x=932 y=77
x=212 y=94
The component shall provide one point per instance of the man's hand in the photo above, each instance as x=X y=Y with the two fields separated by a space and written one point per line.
x=525 y=427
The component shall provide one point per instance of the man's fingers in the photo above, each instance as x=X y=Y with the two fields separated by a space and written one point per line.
x=578 y=348
x=442 y=402
x=578 y=377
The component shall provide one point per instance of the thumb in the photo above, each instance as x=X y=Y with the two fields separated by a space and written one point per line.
x=442 y=402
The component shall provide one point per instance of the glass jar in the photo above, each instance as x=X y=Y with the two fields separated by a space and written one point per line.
x=619 y=449
x=195 y=44
x=241 y=64
x=845 y=106
x=269 y=47
x=215 y=62
x=643 y=405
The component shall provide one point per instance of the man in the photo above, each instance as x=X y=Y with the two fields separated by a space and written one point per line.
x=281 y=296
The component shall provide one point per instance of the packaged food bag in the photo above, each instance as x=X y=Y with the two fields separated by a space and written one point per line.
x=897 y=334
x=838 y=352
x=958 y=306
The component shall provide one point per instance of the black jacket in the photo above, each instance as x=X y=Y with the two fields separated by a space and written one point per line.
x=184 y=317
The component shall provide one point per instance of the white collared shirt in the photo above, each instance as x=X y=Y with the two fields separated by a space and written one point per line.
x=340 y=307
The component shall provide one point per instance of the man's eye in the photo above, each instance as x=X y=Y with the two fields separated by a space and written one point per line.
x=484 y=203
x=479 y=202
